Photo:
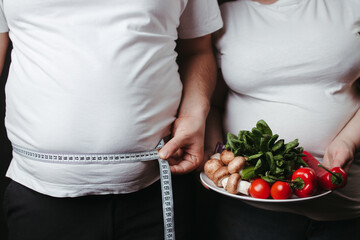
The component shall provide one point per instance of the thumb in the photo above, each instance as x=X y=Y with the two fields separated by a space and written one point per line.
x=342 y=159
x=170 y=148
x=339 y=159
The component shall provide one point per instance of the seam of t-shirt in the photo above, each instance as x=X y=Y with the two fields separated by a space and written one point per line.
x=210 y=27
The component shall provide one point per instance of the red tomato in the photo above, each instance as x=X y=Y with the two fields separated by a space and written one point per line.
x=259 y=188
x=280 y=190
x=308 y=179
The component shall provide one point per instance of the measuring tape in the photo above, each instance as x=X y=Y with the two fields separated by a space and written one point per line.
x=165 y=174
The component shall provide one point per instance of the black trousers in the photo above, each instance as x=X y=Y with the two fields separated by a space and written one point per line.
x=232 y=219
x=34 y=216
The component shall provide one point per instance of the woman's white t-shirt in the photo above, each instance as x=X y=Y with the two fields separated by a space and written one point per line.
x=91 y=76
x=294 y=64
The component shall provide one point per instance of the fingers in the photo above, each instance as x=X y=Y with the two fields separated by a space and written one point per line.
x=339 y=157
x=170 y=148
x=183 y=166
x=342 y=159
x=327 y=160
x=186 y=162
x=183 y=156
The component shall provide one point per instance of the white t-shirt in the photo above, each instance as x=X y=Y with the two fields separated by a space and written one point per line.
x=294 y=64
x=91 y=76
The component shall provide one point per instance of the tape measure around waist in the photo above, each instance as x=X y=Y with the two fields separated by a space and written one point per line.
x=165 y=174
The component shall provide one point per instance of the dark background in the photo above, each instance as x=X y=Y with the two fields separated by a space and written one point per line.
x=5 y=148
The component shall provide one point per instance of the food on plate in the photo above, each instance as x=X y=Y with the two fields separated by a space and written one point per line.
x=259 y=188
x=333 y=179
x=219 y=175
x=236 y=165
x=280 y=190
x=304 y=182
x=227 y=156
x=233 y=184
x=211 y=166
x=272 y=158
x=259 y=164
x=248 y=173
x=328 y=179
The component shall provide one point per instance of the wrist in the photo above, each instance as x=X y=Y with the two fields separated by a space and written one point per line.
x=348 y=143
x=196 y=109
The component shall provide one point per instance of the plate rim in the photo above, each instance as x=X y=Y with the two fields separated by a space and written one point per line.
x=209 y=183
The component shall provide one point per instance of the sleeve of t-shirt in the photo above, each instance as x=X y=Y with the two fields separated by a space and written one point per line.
x=353 y=7
x=3 y=24
x=199 y=18
x=357 y=16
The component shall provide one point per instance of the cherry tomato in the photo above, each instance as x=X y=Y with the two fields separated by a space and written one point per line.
x=280 y=190
x=306 y=182
x=259 y=188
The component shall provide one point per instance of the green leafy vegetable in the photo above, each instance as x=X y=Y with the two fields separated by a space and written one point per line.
x=267 y=156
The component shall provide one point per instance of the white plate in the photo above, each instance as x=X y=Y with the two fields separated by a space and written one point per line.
x=207 y=182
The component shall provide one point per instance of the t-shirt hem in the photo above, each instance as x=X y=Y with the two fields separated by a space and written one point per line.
x=70 y=190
